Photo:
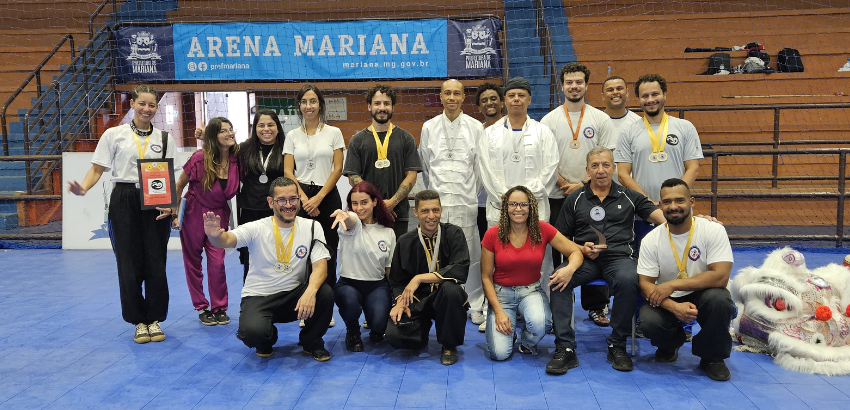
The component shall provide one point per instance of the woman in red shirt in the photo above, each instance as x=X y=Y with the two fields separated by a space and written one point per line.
x=511 y=256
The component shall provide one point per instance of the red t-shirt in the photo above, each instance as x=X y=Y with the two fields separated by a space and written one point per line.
x=517 y=266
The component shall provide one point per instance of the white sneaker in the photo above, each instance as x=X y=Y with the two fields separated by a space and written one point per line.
x=482 y=327
x=478 y=317
x=302 y=324
x=332 y=324
x=365 y=324
x=846 y=67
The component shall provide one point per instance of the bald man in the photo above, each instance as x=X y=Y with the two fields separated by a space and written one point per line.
x=447 y=149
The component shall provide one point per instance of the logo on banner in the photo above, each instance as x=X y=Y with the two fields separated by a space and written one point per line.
x=143 y=55
x=478 y=46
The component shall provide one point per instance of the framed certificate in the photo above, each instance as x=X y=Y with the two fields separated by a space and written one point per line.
x=156 y=181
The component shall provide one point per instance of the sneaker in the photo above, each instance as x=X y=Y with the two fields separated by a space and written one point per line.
x=353 y=342
x=563 y=360
x=301 y=324
x=156 y=332
x=365 y=324
x=142 y=335
x=620 y=360
x=482 y=327
x=264 y=352
x=221 y=317
x=598 y=317
x=449 y=356
x=666 y=356
x=206 y=317
x=478 y=318
x=638 y=332
x=688 y=336
x=319 y=354
x=332 y=323
x=524 y=350
x=715 y=370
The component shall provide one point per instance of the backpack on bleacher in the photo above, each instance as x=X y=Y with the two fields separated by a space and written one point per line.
x=717 y=60
x=789 y=61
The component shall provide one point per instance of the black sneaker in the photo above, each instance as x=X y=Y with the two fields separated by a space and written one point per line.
x=319 y=354
x=221 y=317
x=715 y=369
x=376 y=338
x=353 y=342
x=666 y=356
x=264 y=351
x=524 y=350
x=563 y=360
x=449 y=356
x=206 y=317
x=620 y=360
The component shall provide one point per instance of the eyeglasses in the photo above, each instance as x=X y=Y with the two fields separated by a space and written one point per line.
x=224 y=131
x=521 y=205
x=284 y=201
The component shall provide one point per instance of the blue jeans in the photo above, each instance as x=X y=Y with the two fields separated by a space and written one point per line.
x=370 y=297
x=531 y=302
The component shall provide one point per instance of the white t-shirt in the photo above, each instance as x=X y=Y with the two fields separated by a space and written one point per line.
x=621 y=123
x=258 y=236
x=595 y=129
x=634 y=147
x=319 y=147
x=365 y=251
x=117 y=151
x=710 y=244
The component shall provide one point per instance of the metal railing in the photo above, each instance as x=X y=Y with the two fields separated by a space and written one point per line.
x=97 y=13
x=50 y=132
x=36 y=74
x=840 y=195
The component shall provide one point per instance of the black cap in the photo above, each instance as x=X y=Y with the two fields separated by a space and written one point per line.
x=518 y=82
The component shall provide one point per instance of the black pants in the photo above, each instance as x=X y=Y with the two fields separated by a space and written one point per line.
x=400 y=228
x=715 y=309
x=482 y=222
x=593 y=297
x=446 y=306
x=331 y=203
x=245 y=216
x=140 y=243
x=260 y=313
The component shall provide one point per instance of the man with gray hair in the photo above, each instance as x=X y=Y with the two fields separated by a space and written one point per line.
x=598 y=217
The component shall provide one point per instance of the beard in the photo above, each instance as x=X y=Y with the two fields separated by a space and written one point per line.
x=657 y=111
x=278 y=212
x=677 y=220
x=575 y=100
x=384 y=121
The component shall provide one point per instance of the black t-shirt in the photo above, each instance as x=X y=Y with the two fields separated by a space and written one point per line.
x=401 y=152
x=254 y=193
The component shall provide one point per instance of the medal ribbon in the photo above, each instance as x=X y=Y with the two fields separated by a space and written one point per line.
x=311 y=152
x=570 y=121
x=382 y=148
x=266 y=161
x=432 y=259
x=522 y=135
x=657 y=141
x=682 y=263
x=139 y=146
x=284 y=253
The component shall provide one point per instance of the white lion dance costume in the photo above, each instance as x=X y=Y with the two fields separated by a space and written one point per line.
x=799 y=316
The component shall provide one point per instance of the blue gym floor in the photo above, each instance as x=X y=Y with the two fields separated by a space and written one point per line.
x=63 y=345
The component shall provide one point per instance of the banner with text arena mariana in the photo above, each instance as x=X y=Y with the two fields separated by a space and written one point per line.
x=303 y=50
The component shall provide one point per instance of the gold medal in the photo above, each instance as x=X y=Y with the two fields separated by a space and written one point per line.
x=284 y=252
x=657 y=141
x=682 y=263
x=682 y=275
x=575 y=144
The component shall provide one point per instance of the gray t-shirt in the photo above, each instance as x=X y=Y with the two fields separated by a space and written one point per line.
x=634 y=147
x=401 y=152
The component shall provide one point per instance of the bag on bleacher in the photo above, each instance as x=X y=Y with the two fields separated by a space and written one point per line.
x=752 y=65
x=716 y=61
x=789 y=61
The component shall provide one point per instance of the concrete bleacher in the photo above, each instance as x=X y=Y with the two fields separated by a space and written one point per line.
x=635 y=38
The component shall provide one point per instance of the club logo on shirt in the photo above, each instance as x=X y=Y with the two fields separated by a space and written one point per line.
x=694 y=253
x=382 y=245
x=301 y=252
x=156 y=148
x=597 y=213
x=589 y=132
x=672 y=139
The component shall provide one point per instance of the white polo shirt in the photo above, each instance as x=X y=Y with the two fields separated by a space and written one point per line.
x=117 y=151
x=258 y=236
x=365 y=251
